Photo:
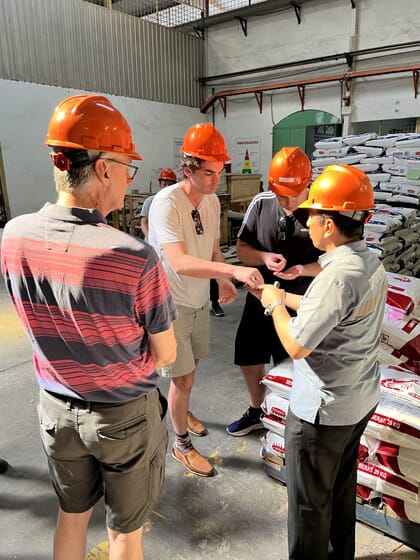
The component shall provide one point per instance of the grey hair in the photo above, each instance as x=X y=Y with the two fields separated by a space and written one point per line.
x=81 y=169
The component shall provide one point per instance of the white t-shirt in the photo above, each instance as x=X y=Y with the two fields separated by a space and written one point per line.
x=170 y=221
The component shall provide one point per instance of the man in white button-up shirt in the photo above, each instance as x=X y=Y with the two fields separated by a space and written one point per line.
x=334 y=341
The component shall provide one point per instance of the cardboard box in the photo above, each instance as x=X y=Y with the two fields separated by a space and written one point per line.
x=243 y=186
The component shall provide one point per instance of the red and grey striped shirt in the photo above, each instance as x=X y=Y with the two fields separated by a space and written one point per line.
x=87 y=295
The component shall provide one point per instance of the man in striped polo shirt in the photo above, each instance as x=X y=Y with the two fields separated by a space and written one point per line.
x=96 y=306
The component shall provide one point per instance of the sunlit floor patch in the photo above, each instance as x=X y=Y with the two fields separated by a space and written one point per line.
x=99 y=552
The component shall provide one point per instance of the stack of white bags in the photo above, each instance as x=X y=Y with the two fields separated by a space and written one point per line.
x=392 y=163
x=389 y=456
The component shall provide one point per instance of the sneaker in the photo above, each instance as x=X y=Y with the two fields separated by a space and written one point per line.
x=193 y=462
x=194 y=426
x=216 y=310
x=248 y=422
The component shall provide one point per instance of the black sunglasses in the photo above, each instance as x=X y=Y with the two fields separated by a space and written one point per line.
x=197 y=222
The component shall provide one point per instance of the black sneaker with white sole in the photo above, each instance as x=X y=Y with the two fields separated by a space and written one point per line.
x=247 y=423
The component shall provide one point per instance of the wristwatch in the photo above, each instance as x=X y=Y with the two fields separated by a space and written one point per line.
x=271 y=306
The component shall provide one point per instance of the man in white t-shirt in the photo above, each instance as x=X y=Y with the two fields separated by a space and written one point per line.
x=184 y=227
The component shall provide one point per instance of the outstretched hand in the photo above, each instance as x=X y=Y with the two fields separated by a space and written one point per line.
x=290 y=273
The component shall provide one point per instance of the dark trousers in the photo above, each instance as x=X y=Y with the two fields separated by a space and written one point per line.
x=321 y=471
x=214 y=291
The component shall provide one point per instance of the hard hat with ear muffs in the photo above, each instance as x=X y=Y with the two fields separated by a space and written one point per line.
x=90 y=122
x=344 y=189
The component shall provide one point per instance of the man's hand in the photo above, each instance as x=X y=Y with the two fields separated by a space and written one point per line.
x=290 y=273
x=249 y=276
x=274 y=261
x=271 y=294
x=227 y=291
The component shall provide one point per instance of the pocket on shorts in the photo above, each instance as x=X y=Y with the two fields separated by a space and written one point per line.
x=124 y=430
x=157 y=468
x=48 y=429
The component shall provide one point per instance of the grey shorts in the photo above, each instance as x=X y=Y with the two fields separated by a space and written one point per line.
x=192 y=333
x=115 y=451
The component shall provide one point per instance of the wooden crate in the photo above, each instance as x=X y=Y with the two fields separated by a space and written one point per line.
x=243 y=186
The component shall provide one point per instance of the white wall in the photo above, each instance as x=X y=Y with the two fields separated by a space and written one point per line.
x=25 y=113
x=327 y=27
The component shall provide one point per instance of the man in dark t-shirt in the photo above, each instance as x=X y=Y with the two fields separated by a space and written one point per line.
x=272 y=237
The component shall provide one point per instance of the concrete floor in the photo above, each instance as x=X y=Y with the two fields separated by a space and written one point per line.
x=239 y=514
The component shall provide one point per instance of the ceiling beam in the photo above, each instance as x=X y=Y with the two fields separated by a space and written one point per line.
x=413 y=68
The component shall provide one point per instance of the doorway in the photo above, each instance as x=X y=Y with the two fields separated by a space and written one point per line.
x=304 y=128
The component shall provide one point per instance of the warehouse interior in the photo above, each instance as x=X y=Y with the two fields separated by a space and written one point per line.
x=339 y=79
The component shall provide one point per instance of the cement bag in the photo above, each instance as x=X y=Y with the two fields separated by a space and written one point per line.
x=403 y=292
x=280 y=378
x=393 y=357
x=402 y=332
x=274 y=444
x=400 y=460
x=380 y=479
x=274 y=424
x=400 y=384
x=395 y=422
x=275 y=405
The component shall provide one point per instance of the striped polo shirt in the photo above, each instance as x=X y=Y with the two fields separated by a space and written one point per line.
x=87 y=295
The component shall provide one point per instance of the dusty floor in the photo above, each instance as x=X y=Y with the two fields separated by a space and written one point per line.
x=239 y=514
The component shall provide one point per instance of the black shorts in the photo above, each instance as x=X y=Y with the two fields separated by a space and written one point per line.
x=256 y=340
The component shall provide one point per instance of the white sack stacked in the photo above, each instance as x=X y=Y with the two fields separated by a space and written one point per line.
x=389 y=454
x=392 y=163
x=276 y=403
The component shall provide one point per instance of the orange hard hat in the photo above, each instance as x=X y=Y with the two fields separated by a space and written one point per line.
x=341 y=188
x=90 y=122
x=204 y=141
x=167 y=174
x=290 y=172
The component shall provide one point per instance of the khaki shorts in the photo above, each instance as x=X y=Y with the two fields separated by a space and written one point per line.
x=192 y=333
x=115 y=451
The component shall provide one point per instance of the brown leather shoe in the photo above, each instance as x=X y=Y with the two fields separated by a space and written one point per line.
x=194 y=462
x=194 y=426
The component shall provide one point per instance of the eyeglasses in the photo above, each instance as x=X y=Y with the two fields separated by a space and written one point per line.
x=131 y=172
x=199 y=230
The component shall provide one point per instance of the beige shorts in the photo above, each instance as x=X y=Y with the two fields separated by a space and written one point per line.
x=192 y=333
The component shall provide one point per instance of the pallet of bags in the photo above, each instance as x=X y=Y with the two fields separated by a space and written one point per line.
x=397 y=417
x=278 y=381
x=275 y=410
